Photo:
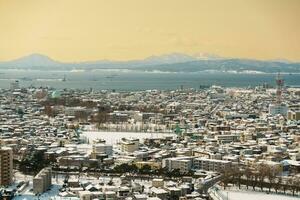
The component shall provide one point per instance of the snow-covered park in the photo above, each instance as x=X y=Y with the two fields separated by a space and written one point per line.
x=234 y=193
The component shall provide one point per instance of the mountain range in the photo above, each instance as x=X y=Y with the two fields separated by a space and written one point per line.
x=175 y=62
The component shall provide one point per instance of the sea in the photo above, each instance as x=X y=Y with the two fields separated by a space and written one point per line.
x=131 y=80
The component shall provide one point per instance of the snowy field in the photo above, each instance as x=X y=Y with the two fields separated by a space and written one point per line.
x=236 y=194
x=114 y=137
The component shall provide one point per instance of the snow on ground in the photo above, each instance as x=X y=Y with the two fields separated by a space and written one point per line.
x=57 y=182
x=236 y=194
x=54 y=190
x=114 y=137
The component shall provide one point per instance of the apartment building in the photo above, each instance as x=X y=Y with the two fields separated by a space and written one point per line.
x=211 y=164
x=101 y=148
x=42 y=181
x=6 y=166
x=129 y=145
x=184 y=164
x=224 y=139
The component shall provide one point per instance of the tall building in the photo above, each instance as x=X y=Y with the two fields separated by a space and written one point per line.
x=14 y=85
x=6 y=166
x=278 y=109
x=42 y=181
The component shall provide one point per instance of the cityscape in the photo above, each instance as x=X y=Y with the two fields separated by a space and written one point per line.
x=153 y=144
x=111 y=100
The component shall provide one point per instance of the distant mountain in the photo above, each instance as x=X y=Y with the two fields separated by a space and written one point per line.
x=229 y=65
x=175 y=62
x=33 y=60
x=207 y=56
x=168 y=59
x=42 y=61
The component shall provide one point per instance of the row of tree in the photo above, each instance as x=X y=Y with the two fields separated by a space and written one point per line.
x=262 y=176
x=146 y=169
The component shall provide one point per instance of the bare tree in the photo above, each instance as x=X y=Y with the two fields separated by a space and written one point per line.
x=277 y=183
x=293 y=184
x=297 y=184
x=49 y=111
x=237 y=174
x=249 y=176
x=272 y=172
x=284 y=186
x=227 y=177
x=262 y=174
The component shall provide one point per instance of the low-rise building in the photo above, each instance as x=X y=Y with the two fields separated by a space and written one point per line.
x=184 y=164
x=129 y=145
x=101 y=148
x=294 y=115
x=211 y=164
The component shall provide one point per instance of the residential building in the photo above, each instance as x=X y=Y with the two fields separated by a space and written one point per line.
x=211 y=164
x=42 y=181
x=6 y=166
x=129 y=145
x=184 y=164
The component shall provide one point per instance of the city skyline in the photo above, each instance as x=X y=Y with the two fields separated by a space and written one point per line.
x=128 y=30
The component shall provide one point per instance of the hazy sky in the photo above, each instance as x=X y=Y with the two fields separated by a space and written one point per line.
x=76 y=30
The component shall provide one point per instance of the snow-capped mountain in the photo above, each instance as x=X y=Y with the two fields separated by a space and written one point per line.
x=169 y=62
x=169 y=59
x=39 y=60
x=33 y=60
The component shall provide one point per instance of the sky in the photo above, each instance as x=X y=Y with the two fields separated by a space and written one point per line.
x=80 y=30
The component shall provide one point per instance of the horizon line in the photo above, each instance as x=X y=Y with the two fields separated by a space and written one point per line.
x=192 y=55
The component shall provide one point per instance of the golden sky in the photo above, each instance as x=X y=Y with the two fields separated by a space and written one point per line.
x=77 y=30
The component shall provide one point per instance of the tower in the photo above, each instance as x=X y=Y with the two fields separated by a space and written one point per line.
x=279 y=83
x=278 y=107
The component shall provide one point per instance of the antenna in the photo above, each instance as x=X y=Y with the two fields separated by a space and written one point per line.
x=279 y=83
